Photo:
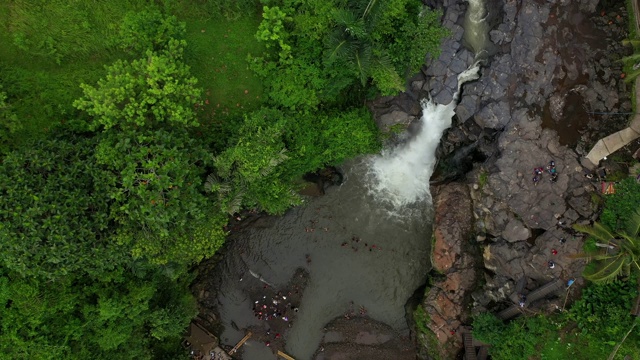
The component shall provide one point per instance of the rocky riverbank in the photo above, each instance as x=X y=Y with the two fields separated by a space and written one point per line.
x=553 y=70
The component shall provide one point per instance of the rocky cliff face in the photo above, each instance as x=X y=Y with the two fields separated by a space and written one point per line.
x=552 y=73
x=446 y=300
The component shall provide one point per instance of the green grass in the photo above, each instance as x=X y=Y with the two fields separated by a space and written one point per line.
x=47 y=49
x=576 y=346
x=570 y=347
x=217 y=57
x=217 y=52
x=69 y=42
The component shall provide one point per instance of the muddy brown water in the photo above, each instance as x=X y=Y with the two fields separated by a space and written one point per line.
x=354 y=249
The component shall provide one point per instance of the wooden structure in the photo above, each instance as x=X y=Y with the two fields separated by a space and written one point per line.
x=201 y=343
x=285 y=356
x=240 y=343
x=469 y=349
x=473 y=348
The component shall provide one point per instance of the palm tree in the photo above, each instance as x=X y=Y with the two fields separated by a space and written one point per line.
x=621 y=253
x=351 y=46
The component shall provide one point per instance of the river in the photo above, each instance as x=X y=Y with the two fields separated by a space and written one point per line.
x=386 y=257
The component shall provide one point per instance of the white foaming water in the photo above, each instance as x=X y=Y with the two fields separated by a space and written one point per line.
x=476 y=29
x=401 y=175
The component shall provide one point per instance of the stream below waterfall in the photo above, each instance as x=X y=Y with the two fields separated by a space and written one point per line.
x=353 y=251
x=364 y=244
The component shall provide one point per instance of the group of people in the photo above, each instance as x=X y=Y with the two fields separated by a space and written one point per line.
x=357 y=240
x=276 y=308
x=551 y=169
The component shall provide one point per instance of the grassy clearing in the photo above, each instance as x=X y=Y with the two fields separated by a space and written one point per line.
x=47 y=48
x=217 y=50
x=217 y=54
x=570 y=347
x=68 y=42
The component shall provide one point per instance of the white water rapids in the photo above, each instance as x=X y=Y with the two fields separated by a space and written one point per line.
x=476 y=29
x=401 y=175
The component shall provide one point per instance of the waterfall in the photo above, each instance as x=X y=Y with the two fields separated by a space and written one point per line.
x=401 y=175
x=476 y=28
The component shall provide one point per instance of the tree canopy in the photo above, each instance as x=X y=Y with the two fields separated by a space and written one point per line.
x=125 y=172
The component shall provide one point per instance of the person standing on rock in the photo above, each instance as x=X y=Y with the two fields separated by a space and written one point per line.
x=523 y=300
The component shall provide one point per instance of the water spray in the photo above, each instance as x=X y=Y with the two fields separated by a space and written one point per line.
x=401 y=175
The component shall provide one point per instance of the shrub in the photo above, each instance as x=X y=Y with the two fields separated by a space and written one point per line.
x=148 y=30
x=619 y=205
x=604 y=310
x=9 y=123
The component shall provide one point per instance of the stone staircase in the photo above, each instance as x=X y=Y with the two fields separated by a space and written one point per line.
x=609 y=144
x=536 y=294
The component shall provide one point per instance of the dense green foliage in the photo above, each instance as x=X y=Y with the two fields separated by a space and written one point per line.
x=131 y=316
x=69 y=290
x=619 y=205
x=291 y=146
x=137 y=127
x=54 y=208
x=602 y=317
x=9 y=123
x=324 y=51
x=608 y=304
x=144 y=93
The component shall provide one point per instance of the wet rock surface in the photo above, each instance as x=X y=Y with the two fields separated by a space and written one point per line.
x=547 y=93
x=360 y=338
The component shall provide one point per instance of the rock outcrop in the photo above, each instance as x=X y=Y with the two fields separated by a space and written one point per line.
x=445 y=301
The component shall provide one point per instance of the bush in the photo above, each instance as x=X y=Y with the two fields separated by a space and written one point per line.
x=604 y=310
x=618 y=206
x=54 y=211
x=518 y=339
x=9 y=123
x=331 y=50
x=148 y=30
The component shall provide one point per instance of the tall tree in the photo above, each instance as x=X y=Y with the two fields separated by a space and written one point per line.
x=150 y=92
x=144 y=110
x=78 y=317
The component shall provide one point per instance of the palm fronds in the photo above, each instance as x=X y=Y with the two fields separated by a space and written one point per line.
x=607 y=267
x=633 y=224
x=599 y=231
x=606 y=270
